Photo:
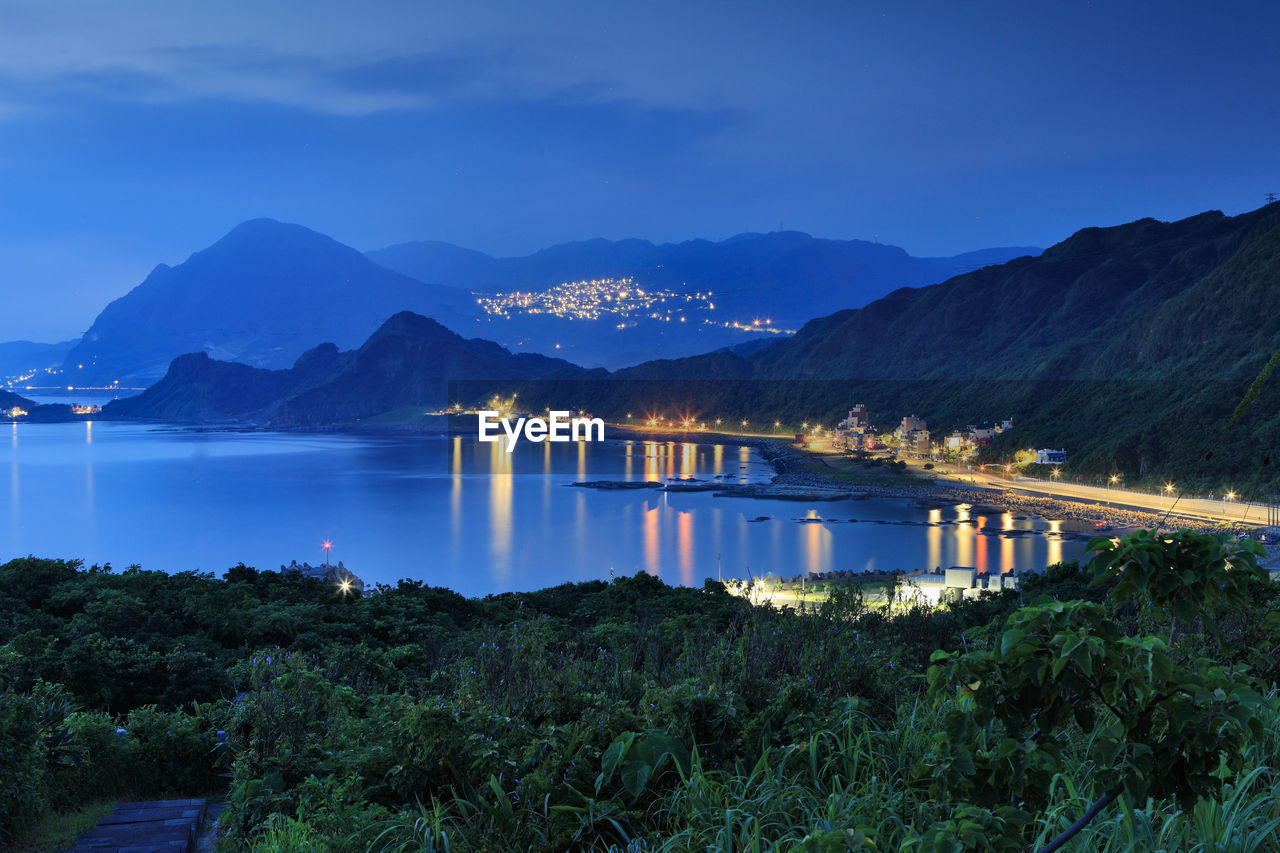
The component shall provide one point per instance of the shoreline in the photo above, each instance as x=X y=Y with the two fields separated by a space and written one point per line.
x=788 y=464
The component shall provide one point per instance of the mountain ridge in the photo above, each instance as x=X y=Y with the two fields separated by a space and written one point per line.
x=409 y=360
x=262 y=294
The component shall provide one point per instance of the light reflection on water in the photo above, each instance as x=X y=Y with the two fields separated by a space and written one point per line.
x=456 y=513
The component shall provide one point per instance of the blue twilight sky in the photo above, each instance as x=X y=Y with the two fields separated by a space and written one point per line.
x=133 y=133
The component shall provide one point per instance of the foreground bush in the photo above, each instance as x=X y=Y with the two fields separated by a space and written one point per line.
x=635 y=716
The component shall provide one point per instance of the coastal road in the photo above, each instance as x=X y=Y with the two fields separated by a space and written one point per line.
x=1235 y=512
x=1200 y=509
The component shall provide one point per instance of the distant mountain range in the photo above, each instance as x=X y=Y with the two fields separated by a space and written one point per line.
x=407 y=363
x=787 y=276
x=268 y=291
x=781 y=279
x=20 y=358
x=1131 y=347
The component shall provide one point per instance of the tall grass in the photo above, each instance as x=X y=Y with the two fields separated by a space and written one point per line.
x=849 y=787
x=1246 y=819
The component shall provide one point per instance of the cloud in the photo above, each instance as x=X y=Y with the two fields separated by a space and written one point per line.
x=347 y=58
x=328 y=57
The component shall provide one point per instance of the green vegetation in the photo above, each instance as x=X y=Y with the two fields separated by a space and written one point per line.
x=1138 y=349
x=59 y=830
x=634 y=716
x=866 y=471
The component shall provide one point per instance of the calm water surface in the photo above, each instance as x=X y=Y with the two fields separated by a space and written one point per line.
x=453 y=512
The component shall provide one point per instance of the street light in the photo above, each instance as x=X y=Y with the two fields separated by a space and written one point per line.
x=1168 y=487
x=1231 y=495
x=1115 y=478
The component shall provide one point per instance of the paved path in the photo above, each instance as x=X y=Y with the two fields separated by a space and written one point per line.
x=1233 y=512
x=160 y=826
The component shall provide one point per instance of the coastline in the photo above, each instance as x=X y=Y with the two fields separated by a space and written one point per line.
x=788 y=463
x=790 y=469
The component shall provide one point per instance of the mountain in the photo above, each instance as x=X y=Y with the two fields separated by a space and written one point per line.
x=1148 y=299
x=1140 y=349
x=20 y=358
x=408 y=362
x=268 y=291
x=261 y=295
x=32 y=412
x=9 y=400
x=1131 y=347
x=784 y=277
x=787 y=275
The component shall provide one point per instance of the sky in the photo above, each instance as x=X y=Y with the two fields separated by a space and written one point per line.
x=134 y=133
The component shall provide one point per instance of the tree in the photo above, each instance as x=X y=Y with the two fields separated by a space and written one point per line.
x=1159 y=726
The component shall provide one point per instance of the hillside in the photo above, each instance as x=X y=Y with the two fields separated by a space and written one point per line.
x=268 y=291
x=1130 y=346
x=23 y=357
x=780 y=279
x=1123 y=302
x=9 y=400
x=409 y=361
x=261 y=295
x=788 y=276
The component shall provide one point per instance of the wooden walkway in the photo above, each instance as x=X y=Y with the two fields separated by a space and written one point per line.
x=162 y=826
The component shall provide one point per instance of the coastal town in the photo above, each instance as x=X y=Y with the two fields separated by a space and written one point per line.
x=814 y=466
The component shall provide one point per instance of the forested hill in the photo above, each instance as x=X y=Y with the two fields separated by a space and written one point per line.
x=1146 y=300
x=1131 y=347
x=408 y=362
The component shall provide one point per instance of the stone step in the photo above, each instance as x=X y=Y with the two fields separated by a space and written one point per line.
x=192 y=813
x=156 y=826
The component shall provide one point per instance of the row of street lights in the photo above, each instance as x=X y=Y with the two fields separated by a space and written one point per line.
x=1169 y=488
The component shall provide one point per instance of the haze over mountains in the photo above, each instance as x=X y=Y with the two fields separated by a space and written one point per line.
x=269 y=291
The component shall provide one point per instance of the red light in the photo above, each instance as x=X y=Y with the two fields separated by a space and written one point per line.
x=328 y=545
